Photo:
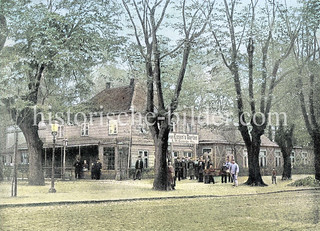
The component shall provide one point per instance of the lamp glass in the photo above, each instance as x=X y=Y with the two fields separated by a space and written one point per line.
x=54 y=127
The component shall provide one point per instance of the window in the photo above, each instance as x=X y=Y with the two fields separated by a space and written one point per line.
x=60 y=131
x=175 y=154
x=144 y=156
x=263 y=158
x=189 y=128
x=84 y=129
x=174 y=127
x=109 y=157
x=24 y=158
x=229 y=154
x=113 y=127
x=187 y=154
x=305 y=158
x=292 y=158
x=3 y=159
x=206 y=151
x=277 y=159
x=245 y=159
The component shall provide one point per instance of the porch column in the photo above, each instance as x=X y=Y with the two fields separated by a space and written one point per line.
x=45 y=157
x=117 y=163
x=45 y=163
x=100 y=156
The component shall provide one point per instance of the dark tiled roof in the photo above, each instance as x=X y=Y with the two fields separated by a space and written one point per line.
x=113 y=99
x=208 y=136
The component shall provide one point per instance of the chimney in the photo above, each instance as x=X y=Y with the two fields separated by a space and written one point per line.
x=108 y=84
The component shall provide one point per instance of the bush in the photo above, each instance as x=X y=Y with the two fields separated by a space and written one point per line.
x=308 y=181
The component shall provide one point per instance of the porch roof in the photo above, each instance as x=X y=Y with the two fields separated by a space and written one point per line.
x=86 y=141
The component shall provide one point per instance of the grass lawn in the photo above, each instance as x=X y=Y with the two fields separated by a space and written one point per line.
x=107 y=189
x=281 y=211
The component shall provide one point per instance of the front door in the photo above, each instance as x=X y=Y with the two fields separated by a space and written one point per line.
x=122 y=170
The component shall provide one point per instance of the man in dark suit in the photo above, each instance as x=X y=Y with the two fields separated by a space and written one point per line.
x=177 y=168
x=98 y=169
x=191 y=168
x=139 y=167
x=184 y=168
x=77 y=168
x=200 y=169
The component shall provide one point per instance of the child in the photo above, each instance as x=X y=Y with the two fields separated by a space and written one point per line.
x=274 y=176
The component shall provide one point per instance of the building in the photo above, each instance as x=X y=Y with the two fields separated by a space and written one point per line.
x=115 y=132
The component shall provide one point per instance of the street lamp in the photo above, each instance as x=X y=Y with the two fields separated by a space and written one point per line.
x=54 y=132
x=65 y=145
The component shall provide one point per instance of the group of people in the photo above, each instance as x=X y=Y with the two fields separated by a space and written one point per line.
x=201 y=170
x=80 y=167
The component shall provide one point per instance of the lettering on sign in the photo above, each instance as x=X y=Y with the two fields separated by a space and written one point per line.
x=179 y=138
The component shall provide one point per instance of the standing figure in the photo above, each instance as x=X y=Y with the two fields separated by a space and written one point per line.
x=274 y=176
x=208 y=162
x=207 y=166
x=224 y=174
x=93 y=171
x=171 y=177
x=98 y=167
x=210 y=173
x=77 y=168
x=200 y=170
x=196 y=169
x=139 y=167
x=234 y=172
x=177 y=168
x=85 y=168
x=184 y=168
x=228 y=170
x=191 y=167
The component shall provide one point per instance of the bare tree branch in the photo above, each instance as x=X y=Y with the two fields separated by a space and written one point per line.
x=135 y=30
x=162 y=14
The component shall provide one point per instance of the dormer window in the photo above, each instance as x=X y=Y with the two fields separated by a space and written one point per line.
x=113 y=127
x=60 y=131
x=85 y=129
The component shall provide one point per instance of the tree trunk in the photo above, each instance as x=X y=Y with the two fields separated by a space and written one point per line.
x=34 y=144
x=316 y=147
x=255 y=178
x=3 y=31
x=161 y=174
x=286 y=174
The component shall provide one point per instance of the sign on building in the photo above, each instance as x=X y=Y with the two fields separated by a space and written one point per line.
x=179 y=138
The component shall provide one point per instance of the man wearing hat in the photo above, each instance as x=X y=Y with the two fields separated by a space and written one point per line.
x=184 y=168
x=191 y=168
x=139 y=167
x=98 y=169
x=177 y=168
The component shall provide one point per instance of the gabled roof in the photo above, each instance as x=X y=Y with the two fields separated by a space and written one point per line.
x=114 y=99
x=121 y=99
x=206 y=135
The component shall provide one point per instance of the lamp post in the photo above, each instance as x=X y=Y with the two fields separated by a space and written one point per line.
x=65 y=145
x=54 y=132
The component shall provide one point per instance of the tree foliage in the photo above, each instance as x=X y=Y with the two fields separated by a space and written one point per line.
x=256 y=47
x=307 y=55
x=55 y=46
